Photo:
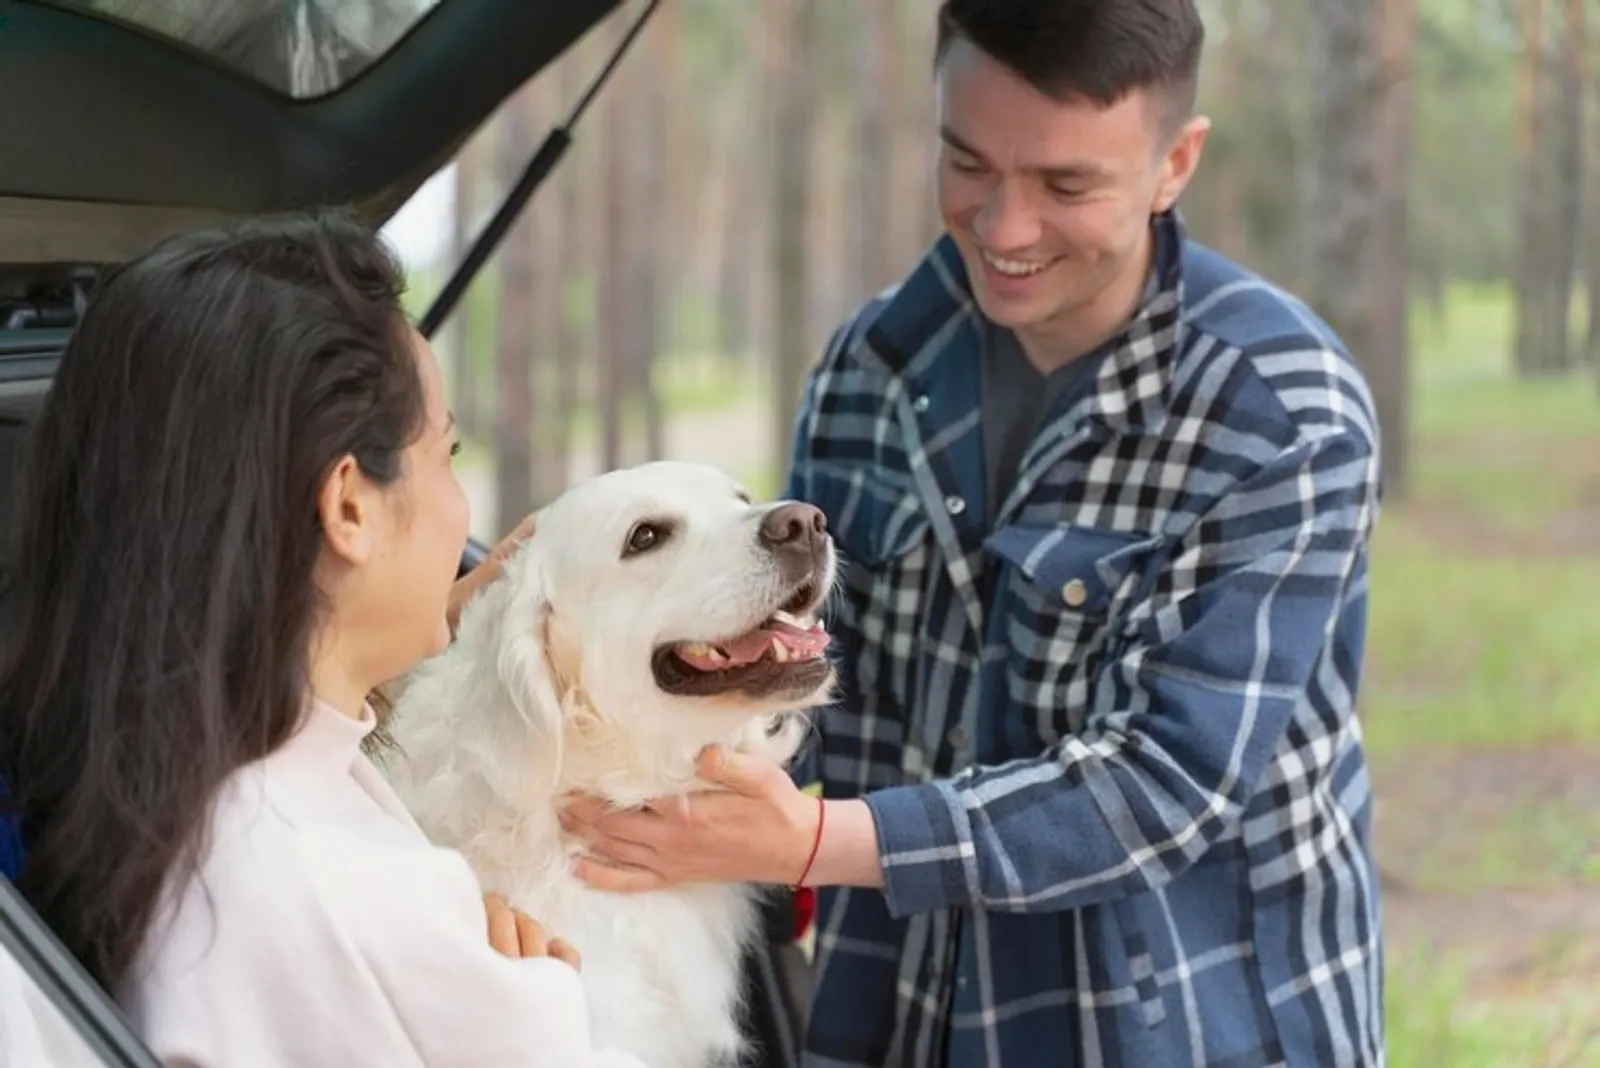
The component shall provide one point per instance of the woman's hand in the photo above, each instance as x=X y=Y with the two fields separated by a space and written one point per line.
x=517 y=935
x=492 y=567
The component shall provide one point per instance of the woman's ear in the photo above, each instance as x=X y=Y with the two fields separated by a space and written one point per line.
x=347 y=509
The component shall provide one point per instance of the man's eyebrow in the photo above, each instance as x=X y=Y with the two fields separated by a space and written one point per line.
x=951 y=138
x=1083 y=170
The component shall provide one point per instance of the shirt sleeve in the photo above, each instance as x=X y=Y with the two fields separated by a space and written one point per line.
x=1204 y=697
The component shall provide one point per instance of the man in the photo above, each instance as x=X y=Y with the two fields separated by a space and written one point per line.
x=1096 y=790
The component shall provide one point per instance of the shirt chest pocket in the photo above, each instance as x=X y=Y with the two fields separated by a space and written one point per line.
x=1064 y=597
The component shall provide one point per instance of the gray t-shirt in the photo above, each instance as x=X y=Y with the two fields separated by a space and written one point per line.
x=1017 y=400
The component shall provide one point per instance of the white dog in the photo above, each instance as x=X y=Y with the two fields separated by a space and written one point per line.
x=654 y=611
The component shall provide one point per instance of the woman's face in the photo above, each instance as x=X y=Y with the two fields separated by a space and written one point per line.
x=395 y=552
x=429 y=515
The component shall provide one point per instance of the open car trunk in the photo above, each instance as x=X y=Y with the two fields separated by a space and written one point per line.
x=122 y=121
x=116 y=132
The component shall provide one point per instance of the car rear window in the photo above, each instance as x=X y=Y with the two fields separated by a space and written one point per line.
x=301 y=48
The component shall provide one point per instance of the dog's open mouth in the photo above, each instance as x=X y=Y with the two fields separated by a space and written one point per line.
x=786 y=651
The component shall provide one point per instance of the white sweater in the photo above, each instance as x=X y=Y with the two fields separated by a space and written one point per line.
x=325 y=929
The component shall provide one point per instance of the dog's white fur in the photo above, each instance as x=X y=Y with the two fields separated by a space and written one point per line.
x=548 y=688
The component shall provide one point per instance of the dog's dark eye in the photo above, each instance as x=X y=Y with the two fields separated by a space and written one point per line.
x=644 y=537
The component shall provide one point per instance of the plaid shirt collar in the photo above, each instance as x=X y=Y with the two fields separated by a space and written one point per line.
x=934 y=319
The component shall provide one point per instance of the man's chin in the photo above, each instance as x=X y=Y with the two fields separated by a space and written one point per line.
x=1014 y=313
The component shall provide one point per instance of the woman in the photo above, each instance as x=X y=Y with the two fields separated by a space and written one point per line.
x=240 y=519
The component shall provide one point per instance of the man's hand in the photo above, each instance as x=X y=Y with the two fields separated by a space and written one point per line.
x=759 y=829
x=517 y=935
x=492 y=567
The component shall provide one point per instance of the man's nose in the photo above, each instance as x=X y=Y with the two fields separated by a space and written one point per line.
x=796 y=524
x=1006 y=221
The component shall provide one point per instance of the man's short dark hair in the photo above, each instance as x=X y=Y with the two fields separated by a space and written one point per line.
x=1096 y=50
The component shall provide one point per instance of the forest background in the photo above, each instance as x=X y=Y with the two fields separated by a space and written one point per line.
x=1425 y=172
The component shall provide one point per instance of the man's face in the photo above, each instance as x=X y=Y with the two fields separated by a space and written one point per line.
x=1050 y=202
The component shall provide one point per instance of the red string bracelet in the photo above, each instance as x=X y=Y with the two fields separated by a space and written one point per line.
x=822 y=816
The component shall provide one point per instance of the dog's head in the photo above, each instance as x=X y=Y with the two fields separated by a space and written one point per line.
x=672 y=606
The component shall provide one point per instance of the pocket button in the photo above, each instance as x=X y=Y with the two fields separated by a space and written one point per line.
x=1074 y=593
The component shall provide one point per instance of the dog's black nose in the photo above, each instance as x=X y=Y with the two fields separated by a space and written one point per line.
x=795 y=524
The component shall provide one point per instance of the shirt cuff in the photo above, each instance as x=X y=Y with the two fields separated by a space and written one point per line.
x=925 y=845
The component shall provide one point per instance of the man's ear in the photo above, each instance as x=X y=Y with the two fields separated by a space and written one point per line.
x=1180 y=163
x=347 y=508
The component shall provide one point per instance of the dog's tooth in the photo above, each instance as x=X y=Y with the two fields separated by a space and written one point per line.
x=715 y=655
x=780 y=651
x=784 y=617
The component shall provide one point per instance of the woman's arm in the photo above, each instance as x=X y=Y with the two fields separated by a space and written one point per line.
x=313 y=945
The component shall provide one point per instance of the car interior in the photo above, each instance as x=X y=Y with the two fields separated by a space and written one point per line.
x=130 y=119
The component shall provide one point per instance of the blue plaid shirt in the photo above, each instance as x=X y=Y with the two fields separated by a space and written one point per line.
x=1109 y=740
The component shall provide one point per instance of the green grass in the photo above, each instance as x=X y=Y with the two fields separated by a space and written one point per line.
x=1474 y=649
x=1484 y=641
x=1433 y=1022
x=1485 y=627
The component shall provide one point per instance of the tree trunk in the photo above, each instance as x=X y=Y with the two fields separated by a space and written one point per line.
x=571 y=352
x=1389 y=360
x=1282 y=239
x=611 y=310
x=541 y=228
x=1591 y=220
x=514 y=336
x=648 y=229
x=765 y=28
x=735 y=271
x=918 y=223
x=1529 y=344
x=1567 y=206
x=792 y=68
x=1342 y=197
x=1218 y=202
x=871 y=254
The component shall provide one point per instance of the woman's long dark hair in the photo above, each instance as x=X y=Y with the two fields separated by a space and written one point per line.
x=168 y=533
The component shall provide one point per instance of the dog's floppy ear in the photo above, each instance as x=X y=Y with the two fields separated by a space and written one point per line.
x=519 y=643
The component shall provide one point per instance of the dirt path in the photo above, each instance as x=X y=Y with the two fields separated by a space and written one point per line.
x=1491 y=870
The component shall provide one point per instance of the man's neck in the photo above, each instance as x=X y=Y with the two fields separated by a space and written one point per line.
x=1052 y=345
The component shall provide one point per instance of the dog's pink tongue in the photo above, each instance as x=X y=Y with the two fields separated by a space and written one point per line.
x=749 y=648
